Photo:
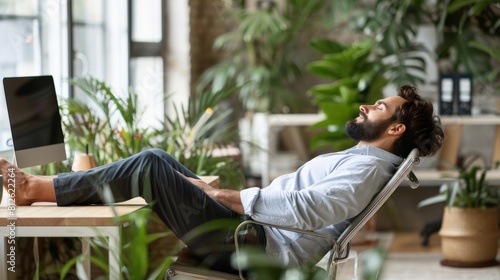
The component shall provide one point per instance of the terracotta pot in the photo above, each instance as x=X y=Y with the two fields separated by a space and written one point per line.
x=469 y=237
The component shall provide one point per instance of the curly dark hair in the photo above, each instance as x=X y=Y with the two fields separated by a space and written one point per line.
x=423 y=126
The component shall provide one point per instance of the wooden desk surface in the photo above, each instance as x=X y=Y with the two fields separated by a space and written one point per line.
x=49 y=214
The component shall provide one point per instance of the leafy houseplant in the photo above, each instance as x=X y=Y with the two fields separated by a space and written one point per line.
x=469 y=191
x=108 y=124
x=111 y=127
x=262 y=57
x=356 y=80
x=468 y=35
x=261 y=54
x=470 y=32
x=469 y=232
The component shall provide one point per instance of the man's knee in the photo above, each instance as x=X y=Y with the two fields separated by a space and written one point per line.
x=156 y=156
x=151 y=154
x=158 y=152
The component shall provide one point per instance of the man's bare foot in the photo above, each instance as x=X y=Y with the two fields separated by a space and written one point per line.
x=21 y=187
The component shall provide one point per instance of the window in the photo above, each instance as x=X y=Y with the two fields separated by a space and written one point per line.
x=20 y=53
x=147 y=57
x=101 y=38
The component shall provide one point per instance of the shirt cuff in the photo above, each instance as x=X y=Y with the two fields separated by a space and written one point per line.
x=248 y=198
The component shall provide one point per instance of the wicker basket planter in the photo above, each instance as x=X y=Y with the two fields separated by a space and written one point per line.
x=469 y=237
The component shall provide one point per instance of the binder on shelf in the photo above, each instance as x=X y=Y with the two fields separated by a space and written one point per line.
x=446 y=94
x=464 y=105
x=455 y=94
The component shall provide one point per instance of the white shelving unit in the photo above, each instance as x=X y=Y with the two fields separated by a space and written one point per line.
x=453 y=125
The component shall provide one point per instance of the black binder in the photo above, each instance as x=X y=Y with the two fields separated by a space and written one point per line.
x=455 y=94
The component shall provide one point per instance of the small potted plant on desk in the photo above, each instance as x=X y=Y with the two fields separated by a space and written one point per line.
x=469 y=231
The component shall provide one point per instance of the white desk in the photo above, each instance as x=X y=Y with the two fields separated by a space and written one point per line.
x=48 y=220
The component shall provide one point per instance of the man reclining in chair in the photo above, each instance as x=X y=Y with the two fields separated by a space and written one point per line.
x=322 y=195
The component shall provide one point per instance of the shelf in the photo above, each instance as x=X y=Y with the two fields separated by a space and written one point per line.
x=308 y=119
x=471 y=120
x=453 y=127
x=273 y=123
x=294 y=119
x=437 y=178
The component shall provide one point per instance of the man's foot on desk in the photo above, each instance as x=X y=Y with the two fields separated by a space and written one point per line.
x=24 y=188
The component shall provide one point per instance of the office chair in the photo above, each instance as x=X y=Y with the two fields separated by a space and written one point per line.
x=340 y=249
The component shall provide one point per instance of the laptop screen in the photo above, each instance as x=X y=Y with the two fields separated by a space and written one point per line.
x=34 y=120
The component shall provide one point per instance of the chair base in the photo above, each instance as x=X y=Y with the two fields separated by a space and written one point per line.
x=186 y=272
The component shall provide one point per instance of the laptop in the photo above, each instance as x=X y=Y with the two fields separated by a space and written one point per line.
x=35 y=120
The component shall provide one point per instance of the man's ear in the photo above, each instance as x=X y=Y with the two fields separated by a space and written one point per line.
x=397 y=129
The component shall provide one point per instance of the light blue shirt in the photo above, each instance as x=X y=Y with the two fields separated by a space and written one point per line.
x=323 y=195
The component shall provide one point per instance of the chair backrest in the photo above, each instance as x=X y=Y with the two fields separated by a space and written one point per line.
x=404 y=171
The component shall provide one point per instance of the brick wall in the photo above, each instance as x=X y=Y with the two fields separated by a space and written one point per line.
x=206 y=24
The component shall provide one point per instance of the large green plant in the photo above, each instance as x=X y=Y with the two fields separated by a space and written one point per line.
x=195 y=149
x=111 y=128
x=261 y=53
x=107 y=124
x=393 y=25
x=357 y=79
x=468 y=33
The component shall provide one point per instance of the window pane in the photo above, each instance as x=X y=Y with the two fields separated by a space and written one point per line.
x=18 y=7
x=147 y=80
x=20 y=52
x=88 y=11
x=19 y=56
x=5 y=135
x=146 y=21
x=89 y=51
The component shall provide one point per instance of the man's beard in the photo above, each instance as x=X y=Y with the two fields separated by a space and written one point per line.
x=367 y=131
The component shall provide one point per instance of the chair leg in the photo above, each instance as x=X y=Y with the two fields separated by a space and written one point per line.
x=345 y=268
x=332 y=273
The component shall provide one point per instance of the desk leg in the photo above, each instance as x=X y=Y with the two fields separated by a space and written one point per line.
x=496 y=147
x=114 y=252
x=86 y=252
x=265 y=156
x=3 y=261
x=451 y=144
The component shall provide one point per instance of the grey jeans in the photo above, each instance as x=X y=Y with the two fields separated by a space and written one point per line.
x=154 y=175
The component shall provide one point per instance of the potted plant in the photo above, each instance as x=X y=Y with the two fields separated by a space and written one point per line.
x=469 y=231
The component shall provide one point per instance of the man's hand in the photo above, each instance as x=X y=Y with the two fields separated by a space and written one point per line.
x=229 y=198
x=201 y=184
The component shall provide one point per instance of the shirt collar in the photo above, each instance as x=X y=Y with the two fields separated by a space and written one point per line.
x=374 y=151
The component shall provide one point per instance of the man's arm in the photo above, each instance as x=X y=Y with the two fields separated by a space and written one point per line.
x=229 y=198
